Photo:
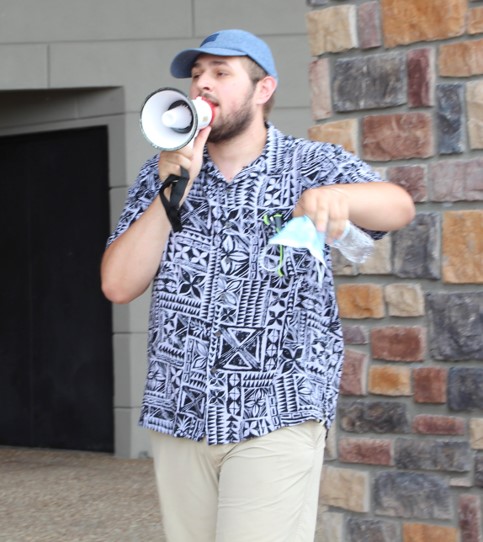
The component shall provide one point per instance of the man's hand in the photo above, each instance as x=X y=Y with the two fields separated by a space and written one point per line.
x=327 y=207
x=188 y=157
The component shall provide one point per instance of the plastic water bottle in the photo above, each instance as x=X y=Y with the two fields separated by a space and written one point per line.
x=356 y=245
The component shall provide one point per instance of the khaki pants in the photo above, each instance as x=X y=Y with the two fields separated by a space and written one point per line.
x=260 y=490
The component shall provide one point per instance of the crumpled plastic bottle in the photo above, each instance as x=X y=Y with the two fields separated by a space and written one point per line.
x=300 y=232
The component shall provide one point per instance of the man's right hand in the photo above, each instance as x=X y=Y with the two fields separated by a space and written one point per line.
x=189 y=157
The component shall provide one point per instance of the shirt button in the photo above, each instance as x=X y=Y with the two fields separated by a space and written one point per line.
x=218 y=334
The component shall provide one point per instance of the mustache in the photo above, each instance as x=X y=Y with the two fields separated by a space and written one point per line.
x=210 y=98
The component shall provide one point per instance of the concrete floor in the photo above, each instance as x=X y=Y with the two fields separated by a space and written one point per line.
x=54 y=495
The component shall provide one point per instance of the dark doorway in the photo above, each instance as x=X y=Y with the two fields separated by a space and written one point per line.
x=56 y=369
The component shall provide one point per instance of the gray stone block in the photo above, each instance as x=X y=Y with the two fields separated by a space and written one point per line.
x=416 y=248
x=371 y=530
x=369 y=82
x=375 y=417
x=412 y=495
x=479 y=470
x=455 y=325
x=450 y=121
x=432 y=455
x=465 y=389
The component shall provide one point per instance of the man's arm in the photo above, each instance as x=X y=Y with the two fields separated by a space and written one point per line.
x=131 y=261
x=379 y=206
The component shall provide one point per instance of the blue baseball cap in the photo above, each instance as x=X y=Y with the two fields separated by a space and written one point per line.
x=226 y=43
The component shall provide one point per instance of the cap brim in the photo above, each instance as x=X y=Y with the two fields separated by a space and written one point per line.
x=183 y=62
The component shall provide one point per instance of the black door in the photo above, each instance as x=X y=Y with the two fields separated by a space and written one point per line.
x=56 y=376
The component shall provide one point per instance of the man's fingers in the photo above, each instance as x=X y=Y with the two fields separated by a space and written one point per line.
x=327 y=208
x=201 y=139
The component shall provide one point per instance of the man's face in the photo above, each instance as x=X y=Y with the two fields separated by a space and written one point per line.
x=225 y=82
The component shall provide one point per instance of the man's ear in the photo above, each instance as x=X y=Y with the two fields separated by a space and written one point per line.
x=266 y=87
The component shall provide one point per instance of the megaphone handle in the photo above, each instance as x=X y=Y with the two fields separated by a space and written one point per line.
x=178 y=186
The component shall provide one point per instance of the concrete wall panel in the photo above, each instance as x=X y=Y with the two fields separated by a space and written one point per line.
x=23 y=66
x=130 y=368
x=263 y=17
x=31 y=21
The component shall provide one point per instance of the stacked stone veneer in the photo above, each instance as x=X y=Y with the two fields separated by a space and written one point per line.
x=400 y=83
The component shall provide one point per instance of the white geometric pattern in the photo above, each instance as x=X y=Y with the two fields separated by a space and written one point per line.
x=236 y=351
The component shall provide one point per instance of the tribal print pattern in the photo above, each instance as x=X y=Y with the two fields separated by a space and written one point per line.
x=236 y=351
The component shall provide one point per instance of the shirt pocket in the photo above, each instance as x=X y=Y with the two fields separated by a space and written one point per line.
x=280 y=260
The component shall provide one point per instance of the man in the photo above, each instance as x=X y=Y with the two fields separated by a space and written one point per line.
x=244 y=363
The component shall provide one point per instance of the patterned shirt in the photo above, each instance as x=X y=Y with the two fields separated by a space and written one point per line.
x=237 y=349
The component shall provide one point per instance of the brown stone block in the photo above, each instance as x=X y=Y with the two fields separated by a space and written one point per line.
x=355 y=334
x=411 y=178
x=392 y=381
x=463 y=247
x=474 y=106
x=461 y=59
x=430 y=385
x=421 y=532
x=353 y=381
x=439 y=425
x=475 y=20
x=421 y=77
x=404 y=299
x=469 y=512
x=415 y=20
x=365 y=450
x=345 y=488
x=369 y=26
x=461 y=481
x=398 y=343
x=360 y=301
x=399 y=136
x=330 y=526
x=476 y=433
x=332 y=29
x=456 y=180
x=379 y=262
x=319 y=80
x=341 y=132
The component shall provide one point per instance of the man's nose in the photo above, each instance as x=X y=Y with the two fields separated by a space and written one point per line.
x=204 y=82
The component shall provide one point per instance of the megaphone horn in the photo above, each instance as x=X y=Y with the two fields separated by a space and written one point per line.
x=170 y=120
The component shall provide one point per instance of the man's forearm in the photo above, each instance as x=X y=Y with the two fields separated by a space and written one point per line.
x=379 y=206
x=131 y=261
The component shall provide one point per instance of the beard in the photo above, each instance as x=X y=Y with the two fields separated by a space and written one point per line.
x=228 y=128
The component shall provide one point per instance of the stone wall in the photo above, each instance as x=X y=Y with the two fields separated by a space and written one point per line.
x=400 y=83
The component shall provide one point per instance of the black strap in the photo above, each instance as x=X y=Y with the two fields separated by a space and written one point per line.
x=171 y=206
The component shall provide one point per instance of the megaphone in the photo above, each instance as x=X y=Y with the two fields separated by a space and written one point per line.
x=170 y=120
